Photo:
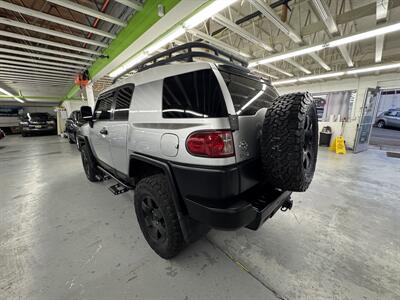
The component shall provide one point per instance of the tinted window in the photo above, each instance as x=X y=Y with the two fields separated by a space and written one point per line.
x=122 y=102
x=41 y=116
x=248 y=95
x=193 y=95
x=103 y=106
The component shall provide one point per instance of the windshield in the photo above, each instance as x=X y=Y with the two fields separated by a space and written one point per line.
x=41 y=116
x=248 y=94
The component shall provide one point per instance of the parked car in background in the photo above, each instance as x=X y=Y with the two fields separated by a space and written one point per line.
x=390 y=118
x=2 y=134
x=38 y=122
x=72 y=125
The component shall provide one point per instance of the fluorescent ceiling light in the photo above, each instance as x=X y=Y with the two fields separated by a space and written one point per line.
x=322 y=76
x=339 y=74
x=169 y=37
x=374 y=68
x=335 y=43
x=207 y=12
x=129 y=64
x=287 y=55
x=11 y=95
x=365 y=35
x=281 y=82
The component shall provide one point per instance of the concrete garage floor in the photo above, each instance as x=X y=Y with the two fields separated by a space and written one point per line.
x=62 y=237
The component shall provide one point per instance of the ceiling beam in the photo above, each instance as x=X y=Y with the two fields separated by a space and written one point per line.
x=242 y=32
x=218 y=43
x=20 y=64
x=88 y=11
x=6 y=75
x=11 y=58
x=285 y=28
x=50 y=32
x=131 y=3
x=333 y=30
x=75 y=62
x=253 y=39
x=381 y=17
x=27 y=72
x=36 y=81
x=51 y=18
x=5 y=65
x=279 y=70
x=46 y=42
x=45 y=50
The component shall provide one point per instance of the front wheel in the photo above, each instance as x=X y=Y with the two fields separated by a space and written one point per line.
x=381 y=124
x=157 y=217
x=89 y=164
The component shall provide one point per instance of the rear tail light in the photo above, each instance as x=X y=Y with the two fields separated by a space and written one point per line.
x=211 y=143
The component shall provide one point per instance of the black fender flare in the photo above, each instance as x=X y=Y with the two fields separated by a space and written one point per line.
x=183 y=218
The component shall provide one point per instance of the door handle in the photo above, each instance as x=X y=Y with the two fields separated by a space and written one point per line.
x=104 y=131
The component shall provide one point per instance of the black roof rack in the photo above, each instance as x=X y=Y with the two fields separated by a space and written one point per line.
x=187 y=52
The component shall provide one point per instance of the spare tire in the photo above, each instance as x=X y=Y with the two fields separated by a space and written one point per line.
x=289 y=142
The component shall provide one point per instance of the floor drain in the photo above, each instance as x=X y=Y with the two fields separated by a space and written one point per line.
x=393 y=154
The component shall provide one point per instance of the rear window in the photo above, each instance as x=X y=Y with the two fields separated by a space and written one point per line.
x=248 y=95
x=193 y=95
x=103 y=106
x=122 y=102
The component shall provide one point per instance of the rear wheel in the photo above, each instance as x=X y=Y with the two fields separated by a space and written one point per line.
x=71 y=141
x=289 y=142
x=89 y=164
x=381 y=124
x=157 y=216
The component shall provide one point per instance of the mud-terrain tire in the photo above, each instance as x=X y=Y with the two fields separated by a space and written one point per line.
x=157 y=217
x=289 y=142
x=89 y=164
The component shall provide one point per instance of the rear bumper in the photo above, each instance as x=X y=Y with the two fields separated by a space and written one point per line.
x=226 y=197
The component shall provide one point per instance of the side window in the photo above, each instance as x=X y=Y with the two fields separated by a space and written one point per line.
x=122 y=102
x=102 y=110
x=193 y=95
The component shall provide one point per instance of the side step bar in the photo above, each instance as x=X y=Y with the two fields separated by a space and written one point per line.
x=118 y=188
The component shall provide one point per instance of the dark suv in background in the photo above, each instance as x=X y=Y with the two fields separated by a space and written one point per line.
x=72 y=125
x=38 y=122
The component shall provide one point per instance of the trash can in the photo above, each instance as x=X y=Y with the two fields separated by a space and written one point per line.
x=325 y=136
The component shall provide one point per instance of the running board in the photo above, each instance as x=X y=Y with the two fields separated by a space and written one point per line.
x=118 y=188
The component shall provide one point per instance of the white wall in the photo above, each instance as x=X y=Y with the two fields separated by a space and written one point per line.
x=361 y=84
x=71 y=105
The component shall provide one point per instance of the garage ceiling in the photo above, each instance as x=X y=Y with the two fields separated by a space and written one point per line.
x=254 y=29
x=258 y=29
x=43 y=44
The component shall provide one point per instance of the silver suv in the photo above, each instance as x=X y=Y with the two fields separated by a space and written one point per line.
x=390 y=118
x=203 y=144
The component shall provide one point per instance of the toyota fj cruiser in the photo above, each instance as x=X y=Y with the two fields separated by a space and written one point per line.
x=203 y=144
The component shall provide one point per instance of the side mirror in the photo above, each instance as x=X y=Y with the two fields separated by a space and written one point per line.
x=87 y=114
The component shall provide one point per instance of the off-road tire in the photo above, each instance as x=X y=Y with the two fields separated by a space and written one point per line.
x=24 y=134
x=156 y=188
x=289 y=142
x=89 y=164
